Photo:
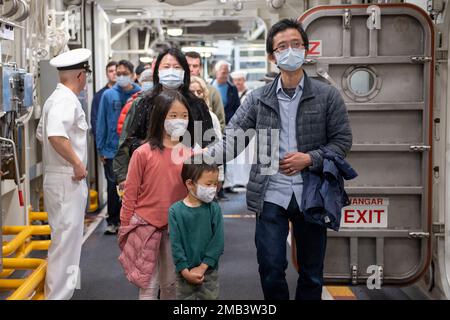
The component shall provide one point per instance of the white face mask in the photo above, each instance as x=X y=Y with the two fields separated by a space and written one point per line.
x=175 y=127
x=171 y=78
x=205 y=194
x=290 y=59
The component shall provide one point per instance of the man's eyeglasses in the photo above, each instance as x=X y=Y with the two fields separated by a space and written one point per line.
x=296 y=44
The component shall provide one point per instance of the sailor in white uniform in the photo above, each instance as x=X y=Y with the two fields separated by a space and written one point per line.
x=62 y=130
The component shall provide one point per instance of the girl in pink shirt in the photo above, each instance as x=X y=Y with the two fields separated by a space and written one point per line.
x=153 y=184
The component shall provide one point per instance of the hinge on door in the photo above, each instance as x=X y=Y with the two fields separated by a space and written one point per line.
x=419 y=235
x=441 y=55
x=374 y=20
x=419 y=148
x=347 y=19
x=421 y=59
x=438 y=229
x=354 y=269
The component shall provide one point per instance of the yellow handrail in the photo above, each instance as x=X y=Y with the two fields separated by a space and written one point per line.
x=31 y=283
x=32 y=287
x=31 y=246
x=22 y=234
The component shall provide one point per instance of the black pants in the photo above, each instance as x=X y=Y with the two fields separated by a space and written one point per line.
x=272 y=229
x=114 y=204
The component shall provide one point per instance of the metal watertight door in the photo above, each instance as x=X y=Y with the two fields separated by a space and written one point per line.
x=381 y=58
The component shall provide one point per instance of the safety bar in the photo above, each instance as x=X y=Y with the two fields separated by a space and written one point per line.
x=32 y=287
x=33 y=281
x=23 y=233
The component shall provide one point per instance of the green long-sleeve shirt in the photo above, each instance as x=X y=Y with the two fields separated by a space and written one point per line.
x=196 y=235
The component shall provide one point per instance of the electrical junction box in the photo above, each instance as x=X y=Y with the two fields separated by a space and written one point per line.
x=17 y=89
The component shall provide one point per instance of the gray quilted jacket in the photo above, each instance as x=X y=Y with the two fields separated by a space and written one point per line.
x=322 y=120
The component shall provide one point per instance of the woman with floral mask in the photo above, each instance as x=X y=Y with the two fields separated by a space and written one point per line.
x=153 y=184
x=170 y=73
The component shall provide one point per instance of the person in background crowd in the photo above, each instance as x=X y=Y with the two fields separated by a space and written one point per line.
x=139 y=69
x=231 y=102
x=199 y=88
x=111 y=76
x=107 y=138
x=239 y=81
x=195 y=66
x=146 y=83
x=228 y=91
x=238 y=170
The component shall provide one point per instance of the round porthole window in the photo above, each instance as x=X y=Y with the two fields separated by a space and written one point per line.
x=361 y=83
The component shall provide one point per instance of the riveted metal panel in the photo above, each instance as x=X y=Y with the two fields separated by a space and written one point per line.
x=391 y=125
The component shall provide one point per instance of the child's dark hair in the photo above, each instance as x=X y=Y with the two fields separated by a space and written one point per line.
x=194 y=167
x=162 y=104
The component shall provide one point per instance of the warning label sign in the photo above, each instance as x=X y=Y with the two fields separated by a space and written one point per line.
x=365 y=213
x=315 y=48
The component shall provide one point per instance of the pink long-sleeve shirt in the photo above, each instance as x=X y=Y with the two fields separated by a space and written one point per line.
x=153 y=184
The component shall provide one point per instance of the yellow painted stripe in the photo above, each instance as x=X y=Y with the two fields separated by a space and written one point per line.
x=239 y=216
x=341 y=292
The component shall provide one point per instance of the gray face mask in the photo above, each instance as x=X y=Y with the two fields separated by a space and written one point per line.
x=171 y=78
x=290 y=59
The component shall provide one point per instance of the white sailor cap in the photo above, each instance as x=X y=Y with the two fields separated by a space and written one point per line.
x=238 y=74
x=72 y=60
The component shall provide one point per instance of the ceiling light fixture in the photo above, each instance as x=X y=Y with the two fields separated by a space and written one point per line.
x=174 y=32
x=119 y=20
x=146 y=59
x=200 y=50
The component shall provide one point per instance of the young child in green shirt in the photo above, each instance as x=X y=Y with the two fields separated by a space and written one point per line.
x=196 y=233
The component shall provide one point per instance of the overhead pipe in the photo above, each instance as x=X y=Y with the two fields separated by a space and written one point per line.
x=25 y=12
x=13 y=10
x=258 y=31
x=119 y=34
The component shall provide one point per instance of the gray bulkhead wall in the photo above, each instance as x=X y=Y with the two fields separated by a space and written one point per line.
x=438 y=278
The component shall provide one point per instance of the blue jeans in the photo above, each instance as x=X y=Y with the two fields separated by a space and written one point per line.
x=272 y=229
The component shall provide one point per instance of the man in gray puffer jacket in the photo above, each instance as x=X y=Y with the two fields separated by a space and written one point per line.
x=292 y=117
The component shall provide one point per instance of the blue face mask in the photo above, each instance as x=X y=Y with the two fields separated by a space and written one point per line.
x=290 y=59
x=123 y=81
x=147 y=85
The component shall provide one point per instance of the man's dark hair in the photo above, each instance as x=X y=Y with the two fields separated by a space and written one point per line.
x=284 y=25
x=162 y=104
x=194 y=55
x=110 y=64
x=194 y=167
x=127 y=64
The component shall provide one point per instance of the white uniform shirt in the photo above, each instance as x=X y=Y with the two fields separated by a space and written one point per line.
x=63 y=116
